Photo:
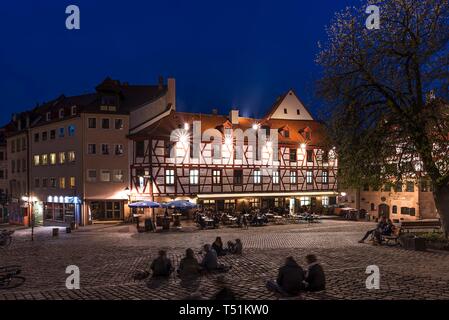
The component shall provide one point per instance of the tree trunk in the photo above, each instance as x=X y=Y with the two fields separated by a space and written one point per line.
x=441 y=197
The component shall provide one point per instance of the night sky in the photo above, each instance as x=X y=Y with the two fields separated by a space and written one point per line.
x=222 y=53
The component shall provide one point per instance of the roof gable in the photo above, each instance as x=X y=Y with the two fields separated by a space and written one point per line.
x=289 y=107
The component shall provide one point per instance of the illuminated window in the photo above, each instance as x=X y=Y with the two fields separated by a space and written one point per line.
x=72 y=183
x=169 y=176
x=325 y=201
x=36 y=160
x=61 y=157
x=309 y=177
x=52 y=158
x=293 y=177
x=62 y=183
x=194 y=176
x=257 y=176
x=71 y=156
x=304 y=201
x=275 y=177
x=44 y=159
x=216 y=176
x=325 y=179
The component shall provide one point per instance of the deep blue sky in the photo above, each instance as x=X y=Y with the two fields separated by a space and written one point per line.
x=222 y=53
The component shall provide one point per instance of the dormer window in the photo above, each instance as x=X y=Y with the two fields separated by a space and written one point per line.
x=298 y=112
x=285 y=110
x=73 y=110
x=61 y=113
x=48 y=116
x=287 y=134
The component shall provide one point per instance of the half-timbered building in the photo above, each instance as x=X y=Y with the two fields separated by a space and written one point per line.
x=229 y=161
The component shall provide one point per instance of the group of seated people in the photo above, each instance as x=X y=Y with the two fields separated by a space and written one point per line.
x=292 y=279
x=385 y=227
x=189 y=266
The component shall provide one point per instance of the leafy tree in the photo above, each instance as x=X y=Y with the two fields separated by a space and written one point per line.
x=387 y=90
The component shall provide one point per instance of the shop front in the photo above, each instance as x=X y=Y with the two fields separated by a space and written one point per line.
x=61 y=210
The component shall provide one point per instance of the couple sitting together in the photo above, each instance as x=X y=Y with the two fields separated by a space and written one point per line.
x=292 y=279
x=234 y=248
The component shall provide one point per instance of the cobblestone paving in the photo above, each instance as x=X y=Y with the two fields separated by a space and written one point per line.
x=108 y=256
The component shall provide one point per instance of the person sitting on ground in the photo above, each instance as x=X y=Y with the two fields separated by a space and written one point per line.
x=314 y=278
x=210 y=260
x=235 y=248
x=290 y=279
x=189 y=266
x=218 y=247
x=161 y=266
x=377 y=231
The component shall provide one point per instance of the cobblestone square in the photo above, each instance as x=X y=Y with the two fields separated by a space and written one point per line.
x=109 y=255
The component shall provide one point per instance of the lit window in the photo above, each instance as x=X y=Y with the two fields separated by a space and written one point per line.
x=91 y=175
x=44 y=159
x=257 y=177
x=52 y=158
x=62 y=183
x=194 y=176
x=293 y=177
x=325 y=177
x=105 y=175
x=36 y=160
x=275 y=177
x=61 y=157
x=118 y=176
x=216 y=176
x=325 y=201
x=71 y=156
x=304 y=201
x=169 y=176
x=72 y=183
x=309 y=177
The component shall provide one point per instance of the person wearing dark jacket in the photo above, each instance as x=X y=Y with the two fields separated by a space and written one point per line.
x=161 y=266
x=218 y=247
x=189 y=266
x=377 y=231
x=290 y=279
x=315 y=279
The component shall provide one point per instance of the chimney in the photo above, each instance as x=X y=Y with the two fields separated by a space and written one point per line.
x=215 y=111
x=171 y=92
x=234 y=116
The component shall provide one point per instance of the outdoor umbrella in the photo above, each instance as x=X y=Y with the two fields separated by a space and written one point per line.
x=144 y=204
x=179 y=204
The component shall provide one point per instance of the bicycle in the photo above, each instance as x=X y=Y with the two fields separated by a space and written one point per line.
x=10 y=277
x=6 y=237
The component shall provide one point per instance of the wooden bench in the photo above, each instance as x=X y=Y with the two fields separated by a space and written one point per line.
x=421 y=225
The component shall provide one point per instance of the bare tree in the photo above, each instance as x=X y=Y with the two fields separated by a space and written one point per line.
x=388 y=92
